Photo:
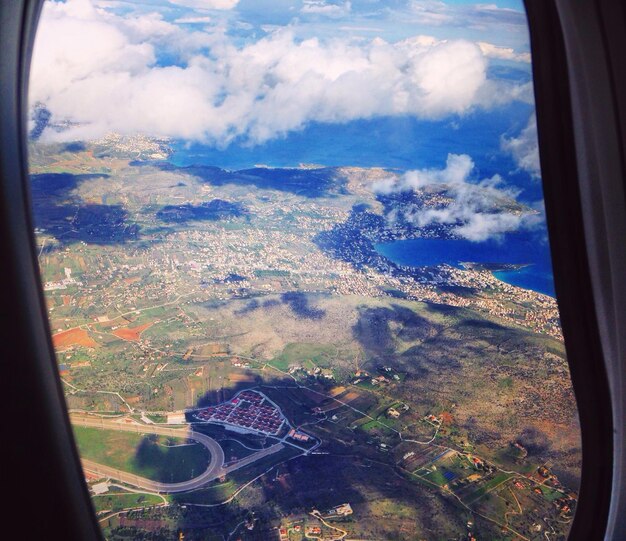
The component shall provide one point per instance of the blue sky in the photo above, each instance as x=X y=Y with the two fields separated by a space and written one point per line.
x=501 y=22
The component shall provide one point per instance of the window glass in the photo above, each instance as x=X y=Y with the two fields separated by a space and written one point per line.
x=297 y=269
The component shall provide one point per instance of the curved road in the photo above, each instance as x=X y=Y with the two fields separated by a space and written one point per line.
x=213 y=471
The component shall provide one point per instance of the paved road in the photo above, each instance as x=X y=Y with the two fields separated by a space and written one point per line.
x=214 y=470
x=253 y=458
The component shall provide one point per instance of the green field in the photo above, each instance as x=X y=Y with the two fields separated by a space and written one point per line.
x=149 y=456
x=212 y=495
x=498 y=479
x=550 y=494
x=156 y=417
x=116 y=502
x=378 y=427
x=437 y=477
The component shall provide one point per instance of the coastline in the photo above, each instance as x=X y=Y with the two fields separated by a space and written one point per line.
x=532 y=272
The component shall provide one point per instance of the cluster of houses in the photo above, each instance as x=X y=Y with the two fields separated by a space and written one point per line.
x=247 y=410
x=298 y=436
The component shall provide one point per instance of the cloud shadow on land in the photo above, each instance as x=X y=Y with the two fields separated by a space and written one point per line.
x=170 y=463
x=373 y=329
x=298 y=302
x=75 y=146
x=350 y=470
x=214 y=210
x=60 y=213
x=248 y=308
x=419 y=346
x=347 y=241
x=57 y=185
x=300 y=305
x=254 y=304
x=310 y=183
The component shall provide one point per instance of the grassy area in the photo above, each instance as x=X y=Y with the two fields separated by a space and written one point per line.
x=486 y=487
x=270 y=273
x=215 y=494
x=307 y=355
x=437 y=477
x=367 y=384
x=550 y=494
x=155 y=457
x=119 y=501
x=156 y=417
x=378 y=427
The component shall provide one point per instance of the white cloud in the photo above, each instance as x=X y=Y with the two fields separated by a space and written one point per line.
x=206 y=4
x=491 y=13
x=321 y=7
x=476 y=210
x=505 y=53
x=495 y=93
x=458 y=169
x=65 y=54
x=348 y=28
x=193 y=20
x=100 y=70
x=524 y=148
x=478 y=16
x=432 y=12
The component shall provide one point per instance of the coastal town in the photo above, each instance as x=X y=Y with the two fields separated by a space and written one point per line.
x=257 y=311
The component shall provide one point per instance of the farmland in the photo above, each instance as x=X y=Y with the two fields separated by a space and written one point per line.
x=178 y=305
x=73 y=337
x=131 y=333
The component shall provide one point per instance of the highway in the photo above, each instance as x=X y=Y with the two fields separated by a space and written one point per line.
x=214 y=470
x=253 y=457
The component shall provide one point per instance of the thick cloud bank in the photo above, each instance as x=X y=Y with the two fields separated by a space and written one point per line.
x=104 y=72
x=475 y=210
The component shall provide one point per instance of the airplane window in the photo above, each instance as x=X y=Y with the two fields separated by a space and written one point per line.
x=297 y=269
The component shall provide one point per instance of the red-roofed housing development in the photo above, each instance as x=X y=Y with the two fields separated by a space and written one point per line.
x=248 y=410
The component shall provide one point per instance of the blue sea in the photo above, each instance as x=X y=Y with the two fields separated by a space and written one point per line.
x=402 y=143
x=519 y=248
x=405 y=143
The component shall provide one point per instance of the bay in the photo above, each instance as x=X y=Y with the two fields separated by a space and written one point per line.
x=404 y=143
x=527 y=249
